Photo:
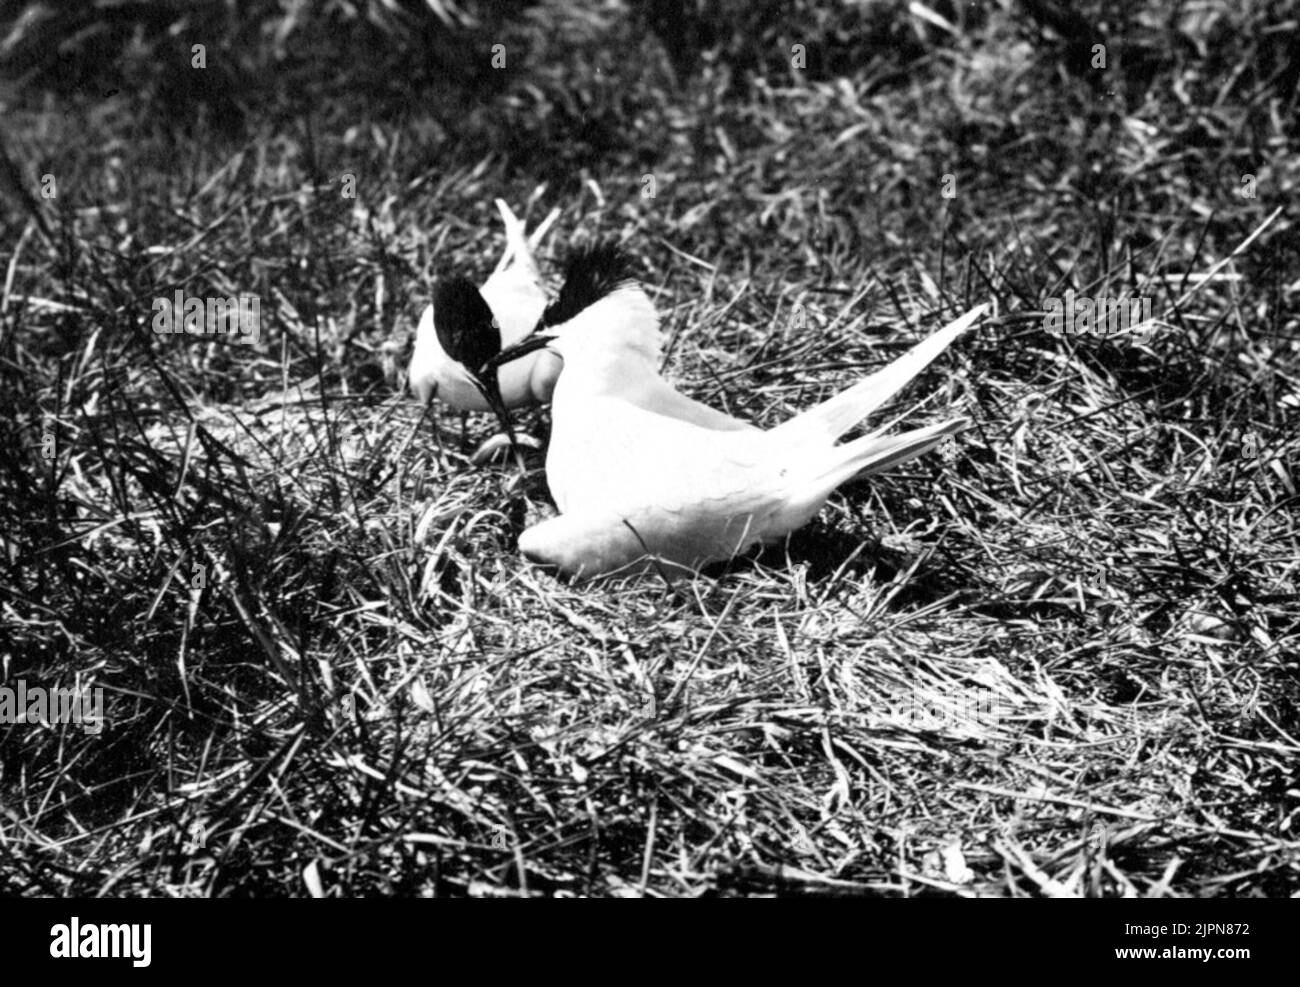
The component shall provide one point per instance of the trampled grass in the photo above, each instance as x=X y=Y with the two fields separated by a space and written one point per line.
x=1056 y=660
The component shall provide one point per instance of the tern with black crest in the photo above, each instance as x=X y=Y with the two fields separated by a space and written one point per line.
x=639 y=486
x=466 y=325
x=461 y=336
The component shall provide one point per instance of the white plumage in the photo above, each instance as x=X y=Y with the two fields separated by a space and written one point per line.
x=639 y=471
x=516 y=296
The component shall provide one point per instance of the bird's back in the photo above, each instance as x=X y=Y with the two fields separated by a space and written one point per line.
x=692 y=493
x=631 y=482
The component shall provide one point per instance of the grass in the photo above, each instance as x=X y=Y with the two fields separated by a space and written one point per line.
x=1058 y=662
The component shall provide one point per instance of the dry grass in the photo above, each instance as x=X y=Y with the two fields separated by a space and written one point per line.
x=1060 y=662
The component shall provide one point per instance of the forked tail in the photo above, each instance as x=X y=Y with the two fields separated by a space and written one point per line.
x=872 y=454
x=520 y=246
x=832 y=418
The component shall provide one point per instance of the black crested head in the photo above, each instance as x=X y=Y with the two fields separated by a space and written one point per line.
x=464 y=323
x=590 y=274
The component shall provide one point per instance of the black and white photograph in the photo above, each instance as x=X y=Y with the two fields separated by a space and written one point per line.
x=665 y=449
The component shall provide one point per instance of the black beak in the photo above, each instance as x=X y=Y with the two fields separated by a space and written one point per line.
x=529 y=344
x=490 y=387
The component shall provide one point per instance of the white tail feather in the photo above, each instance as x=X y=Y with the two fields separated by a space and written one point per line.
x=516 y=240
x=520 y=246
x=872 y=454
x=831 y=419
x=542 y=229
